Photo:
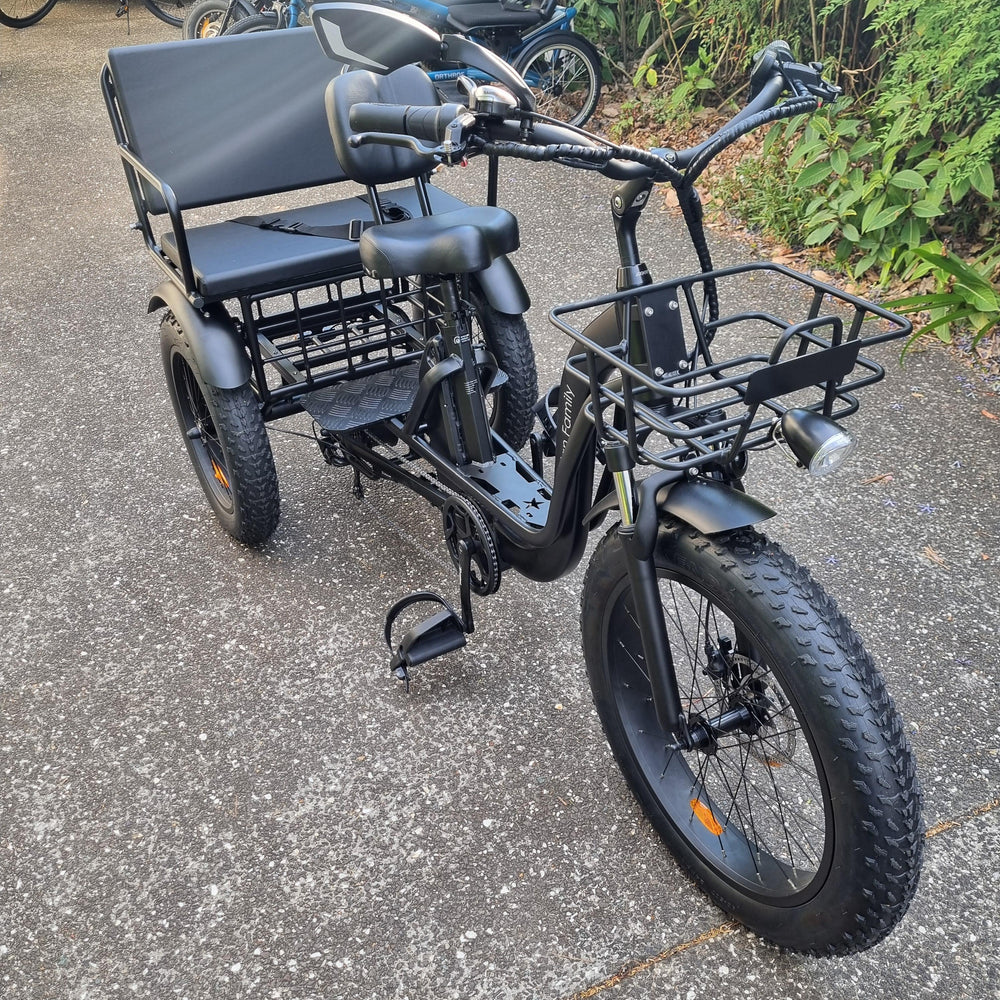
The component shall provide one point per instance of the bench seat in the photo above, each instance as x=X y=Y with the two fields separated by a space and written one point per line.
x=231 y=258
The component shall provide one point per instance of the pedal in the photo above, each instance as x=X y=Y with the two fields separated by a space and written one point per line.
x=442 y=633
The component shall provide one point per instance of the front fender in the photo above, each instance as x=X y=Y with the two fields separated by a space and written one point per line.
x=502 y=287
x=711 y=507
x=708 y=506
x=211 y=334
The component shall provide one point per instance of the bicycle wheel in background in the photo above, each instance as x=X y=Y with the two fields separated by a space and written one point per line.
x=171 y=11
x=23 y=13
x=564 y=72
x=253 y=24
x=208 y=18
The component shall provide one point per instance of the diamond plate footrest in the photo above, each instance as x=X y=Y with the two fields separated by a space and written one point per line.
x=363 y=401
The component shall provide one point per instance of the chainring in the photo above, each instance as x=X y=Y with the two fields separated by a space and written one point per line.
x=462 y=519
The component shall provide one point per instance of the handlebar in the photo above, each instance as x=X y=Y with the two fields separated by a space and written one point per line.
x=454 y=129
x=432 y=123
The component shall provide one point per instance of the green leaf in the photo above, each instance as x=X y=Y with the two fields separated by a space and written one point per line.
x=926 y=208
x=912 y=233
x=983 y=180
x=930 y=300
x=870 y=212
x=839 y=161
x=643 y=27
x=851 y=232
x=822 y=234
x=975 y=287
x=959 y=189
x=651 y=77
x=908 y=180
x=813 y=174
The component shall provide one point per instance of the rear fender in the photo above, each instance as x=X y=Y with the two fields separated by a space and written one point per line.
x=211 y=334
x=502 y=287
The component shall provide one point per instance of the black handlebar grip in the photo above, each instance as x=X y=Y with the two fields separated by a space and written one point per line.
x=429 y=123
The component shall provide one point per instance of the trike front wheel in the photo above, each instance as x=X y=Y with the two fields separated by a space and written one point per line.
x=804 y=823
x=226 y=440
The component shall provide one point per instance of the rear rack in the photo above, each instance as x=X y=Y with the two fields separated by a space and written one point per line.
x=664 y=394
x=306 y=338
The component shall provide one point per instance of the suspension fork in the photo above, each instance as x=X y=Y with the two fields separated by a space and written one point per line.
x=637 y=532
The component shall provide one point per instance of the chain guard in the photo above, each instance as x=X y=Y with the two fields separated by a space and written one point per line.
x=462 y=519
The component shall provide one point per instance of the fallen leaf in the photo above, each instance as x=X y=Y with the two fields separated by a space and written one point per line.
x=935 y=557
x=992 y=416
x=882 y=477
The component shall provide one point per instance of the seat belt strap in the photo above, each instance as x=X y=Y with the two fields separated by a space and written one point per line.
x=344 y=231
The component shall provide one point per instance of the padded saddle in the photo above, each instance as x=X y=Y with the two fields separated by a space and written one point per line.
x=458 y=242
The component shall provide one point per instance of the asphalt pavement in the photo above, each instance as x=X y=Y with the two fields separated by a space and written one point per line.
x=209 y=785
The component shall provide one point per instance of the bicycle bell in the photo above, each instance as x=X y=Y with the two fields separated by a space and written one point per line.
x=487 y=98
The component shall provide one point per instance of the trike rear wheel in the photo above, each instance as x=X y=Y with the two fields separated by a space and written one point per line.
x=226 y=440
x=506 y=337
x=804 y=822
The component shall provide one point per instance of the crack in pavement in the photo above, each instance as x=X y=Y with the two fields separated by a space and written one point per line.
x=630 y=970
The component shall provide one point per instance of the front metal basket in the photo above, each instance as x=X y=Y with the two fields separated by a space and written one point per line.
x=684 y=391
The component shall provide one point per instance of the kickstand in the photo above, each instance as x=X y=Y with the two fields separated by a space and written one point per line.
x=358 y=488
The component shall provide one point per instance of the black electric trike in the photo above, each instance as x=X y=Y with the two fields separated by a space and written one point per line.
x=740 y=704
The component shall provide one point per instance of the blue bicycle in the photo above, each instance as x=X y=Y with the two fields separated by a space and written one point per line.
x=561 y=67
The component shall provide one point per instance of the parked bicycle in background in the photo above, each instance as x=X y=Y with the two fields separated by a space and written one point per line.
x=561 y=67
x=24 y=13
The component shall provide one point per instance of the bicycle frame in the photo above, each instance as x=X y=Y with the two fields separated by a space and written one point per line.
x=436 y=16
x=561 y=20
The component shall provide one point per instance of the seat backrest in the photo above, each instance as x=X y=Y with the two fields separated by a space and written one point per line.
x=374 y=163
x=226 y=118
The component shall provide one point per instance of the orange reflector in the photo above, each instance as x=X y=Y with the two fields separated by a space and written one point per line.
x=705 y=815
x=219 y=474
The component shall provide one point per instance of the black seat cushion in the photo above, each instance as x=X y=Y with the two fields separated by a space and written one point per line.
x=469 y=16
x=230 y=258
x=468 y=239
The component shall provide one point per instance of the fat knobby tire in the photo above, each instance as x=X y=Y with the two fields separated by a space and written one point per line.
x=860 y=753
x=506 y=337
x=248 y=507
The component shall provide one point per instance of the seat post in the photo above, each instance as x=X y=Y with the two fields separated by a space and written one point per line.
x=456 y=331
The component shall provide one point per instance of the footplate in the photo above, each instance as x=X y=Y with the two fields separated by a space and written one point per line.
x=442 y=633
x=363 y=401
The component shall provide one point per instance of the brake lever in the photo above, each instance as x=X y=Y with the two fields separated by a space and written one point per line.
x=393 y=139
x=801 y=79
x=809 y=79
